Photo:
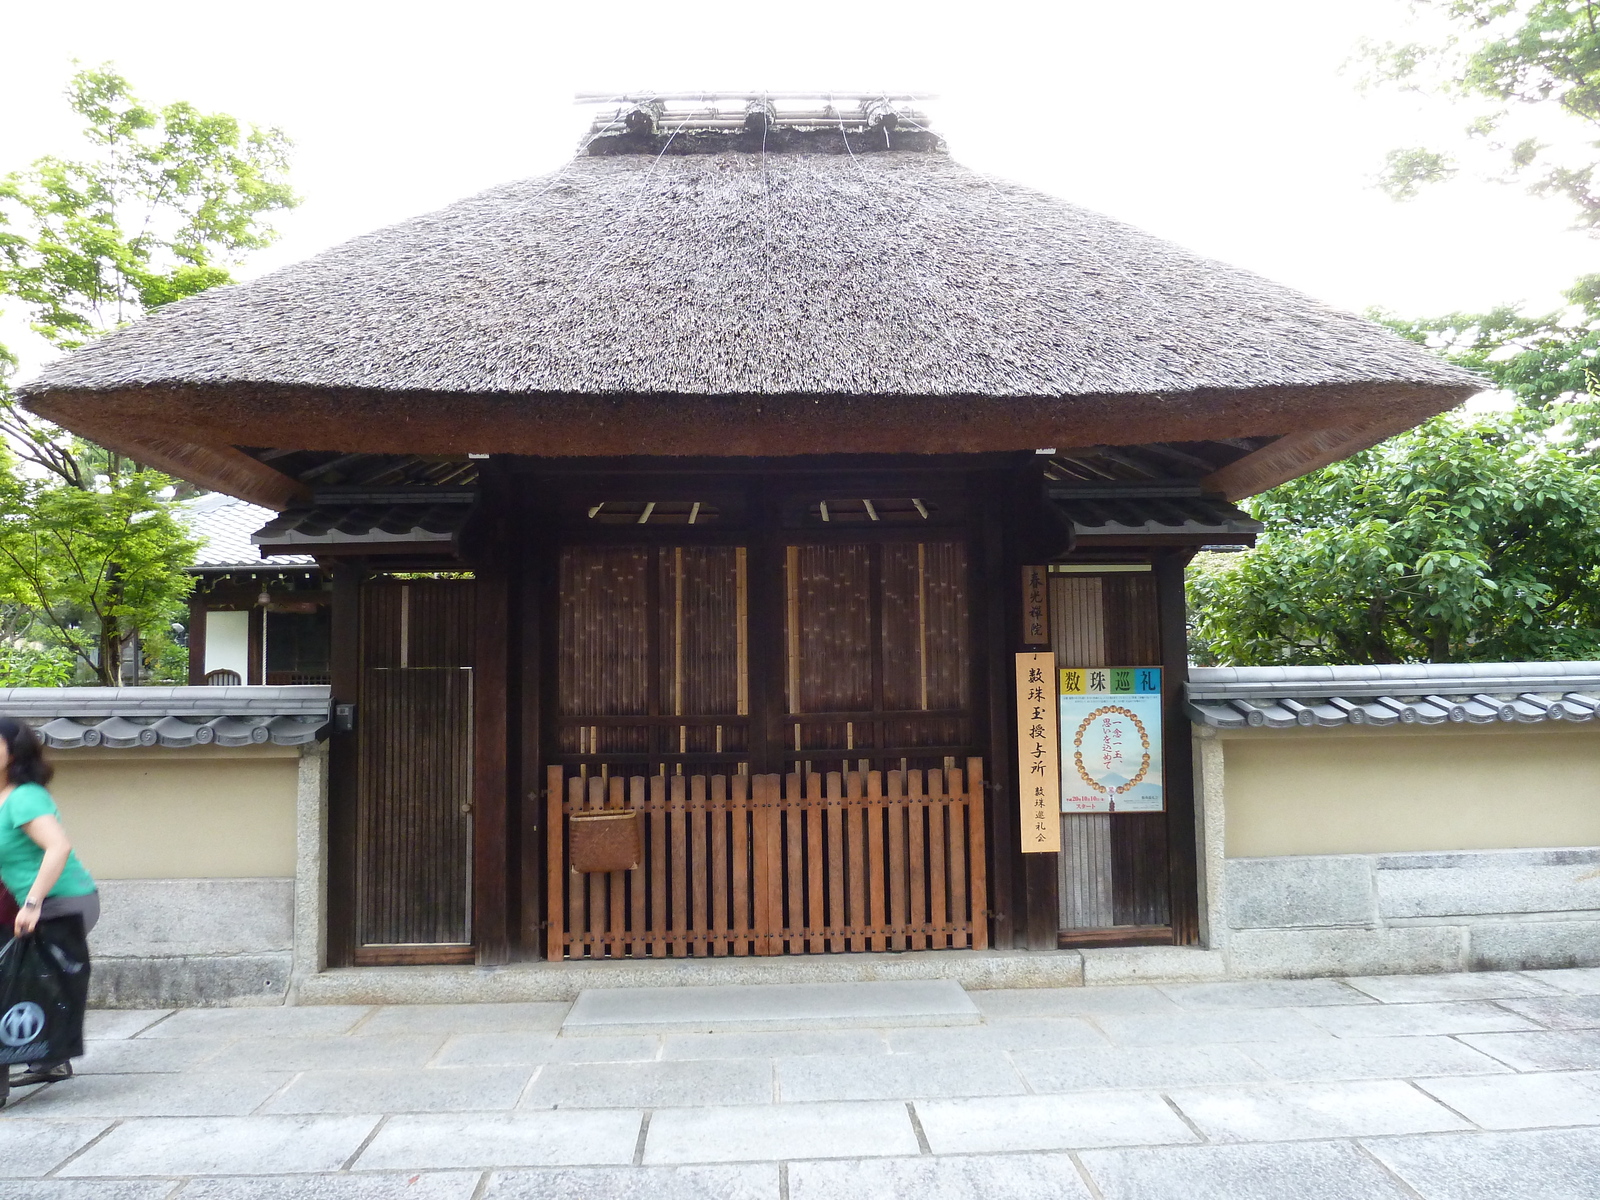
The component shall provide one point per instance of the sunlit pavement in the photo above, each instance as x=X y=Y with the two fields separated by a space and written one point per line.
x=1447 y=1087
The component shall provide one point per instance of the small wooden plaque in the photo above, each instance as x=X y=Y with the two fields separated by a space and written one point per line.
x=606 y=839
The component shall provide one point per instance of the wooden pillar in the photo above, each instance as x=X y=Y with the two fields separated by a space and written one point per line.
x=993 y=690
x=495 y=875
x=344 y=763
x=532 y=553
x=1177 y=747
x=197 y=640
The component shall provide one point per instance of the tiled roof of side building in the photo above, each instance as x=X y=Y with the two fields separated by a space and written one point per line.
x=224 y=525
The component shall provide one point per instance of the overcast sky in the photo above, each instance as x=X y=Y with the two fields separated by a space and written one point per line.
x=1226 y=125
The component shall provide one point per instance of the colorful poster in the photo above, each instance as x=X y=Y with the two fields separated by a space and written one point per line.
x=1038 y=754
x=1111 y=740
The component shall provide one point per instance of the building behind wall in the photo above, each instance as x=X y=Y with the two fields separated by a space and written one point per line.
x=698 y=481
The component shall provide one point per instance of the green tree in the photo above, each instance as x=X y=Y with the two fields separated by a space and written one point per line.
x=1503 y=60
x=1461 y=541
x=165 y=203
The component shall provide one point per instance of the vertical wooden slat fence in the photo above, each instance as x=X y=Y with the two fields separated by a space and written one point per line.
x=769 y=864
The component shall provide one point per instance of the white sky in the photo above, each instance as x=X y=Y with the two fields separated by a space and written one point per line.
x=1225 y=125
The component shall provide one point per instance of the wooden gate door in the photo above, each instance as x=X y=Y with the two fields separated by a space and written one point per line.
x=844 y=813
x=414 y=792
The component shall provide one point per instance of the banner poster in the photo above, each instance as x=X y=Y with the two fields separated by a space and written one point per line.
x=1111 y=740
x=1038 y=754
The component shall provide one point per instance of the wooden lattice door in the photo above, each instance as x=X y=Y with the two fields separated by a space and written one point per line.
x=414 y=791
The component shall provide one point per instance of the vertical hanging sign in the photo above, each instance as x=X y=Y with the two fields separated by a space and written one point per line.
x=1038 y=753
x=1036 y=606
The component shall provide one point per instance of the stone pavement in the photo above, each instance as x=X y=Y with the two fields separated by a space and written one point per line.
x=1445 y=1087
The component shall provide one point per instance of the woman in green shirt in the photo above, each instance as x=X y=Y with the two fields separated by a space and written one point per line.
x=37 y=864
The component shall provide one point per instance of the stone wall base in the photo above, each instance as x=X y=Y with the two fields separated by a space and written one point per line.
x=198 y=982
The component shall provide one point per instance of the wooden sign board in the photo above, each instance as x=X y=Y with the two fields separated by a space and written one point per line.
x=1038 y=753
x=1036 y=606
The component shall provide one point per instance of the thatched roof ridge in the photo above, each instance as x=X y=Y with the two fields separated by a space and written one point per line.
x=891 y=274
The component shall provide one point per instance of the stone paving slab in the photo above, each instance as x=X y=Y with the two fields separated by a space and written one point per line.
x=32 y=1148
x=532 y=1049
x=1373 y=1058
x=1472 y=985
x=330 y=1053
x=1000 y=1035
x=1071 y=1122
x=139 y=1055
x=762 y=1132
x=1412 y=1020
x=1301 y=1170
x=441 y=1089
x=121 y=1022
x=534 y=1139
x=1580 y=981
x=790 y=1044
x=736 y=1009
x=1192 y=1028
x=223 y=1146
x=1007 y=1177
x=1538 y=1165
x=1073 y=1002
x=220 y=1094
x=260 y=1022
x=677 y=1084
x=1564 y=1012
x=1566 y=1050
x=465 y=1018
x=1313 y=1110
x=1139 y=1067
x=1265 y=993
x=433 y=1185
x=744 y=1181
x=74 y=1189
x=1523 y=1101
x=896 y=1077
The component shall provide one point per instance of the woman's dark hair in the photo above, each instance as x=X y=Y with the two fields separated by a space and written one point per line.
x=27 y=763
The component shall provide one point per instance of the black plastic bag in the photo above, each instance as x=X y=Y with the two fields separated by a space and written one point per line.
x=44 y=990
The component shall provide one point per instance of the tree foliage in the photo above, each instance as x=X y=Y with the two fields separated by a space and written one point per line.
x=166 y=201
x=1502 y=59
x=1461 y=541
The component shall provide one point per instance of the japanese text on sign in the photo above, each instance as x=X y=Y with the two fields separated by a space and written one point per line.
x=1035 y=606
x=1038 y=753
x=1111 y=724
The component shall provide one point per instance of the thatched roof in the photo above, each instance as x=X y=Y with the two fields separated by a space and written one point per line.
x=724 y=302
x=889 y=274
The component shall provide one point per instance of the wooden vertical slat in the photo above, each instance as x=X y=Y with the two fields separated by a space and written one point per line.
x=616 y=909
x=717 y=819
x=836 y=859
x=960 y=913
x=917 y=815
x=577 y=885
x=677 y=837
x=699 y=877
x=555 y=839
x=897 y=810
x=741 y=864
x=816 y=865
x=856 y=887
x=659 y=836
x=636 y=877
x=978 y=879
x=794 y=854
x=598 y=884
x=876 y=866
x=773 y=815
x=938 y=854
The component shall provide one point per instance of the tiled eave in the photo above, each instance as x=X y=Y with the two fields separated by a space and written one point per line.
x=128 y=718
x=1405 y=694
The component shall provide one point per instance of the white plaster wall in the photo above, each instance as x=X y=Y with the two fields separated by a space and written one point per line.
x=228 y=642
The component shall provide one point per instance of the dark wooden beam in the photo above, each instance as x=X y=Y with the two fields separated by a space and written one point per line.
x=1177 y=748
x=492 y=851
x=344 y=766
x=1296 y=454
x=992 y=706
x=197 y=639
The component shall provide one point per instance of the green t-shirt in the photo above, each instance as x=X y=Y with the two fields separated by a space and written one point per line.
x=20 y=855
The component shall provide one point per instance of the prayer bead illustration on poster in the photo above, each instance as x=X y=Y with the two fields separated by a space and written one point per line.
x=1111 y=740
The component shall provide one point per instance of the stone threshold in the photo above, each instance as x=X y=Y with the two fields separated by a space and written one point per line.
x=975 y=970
